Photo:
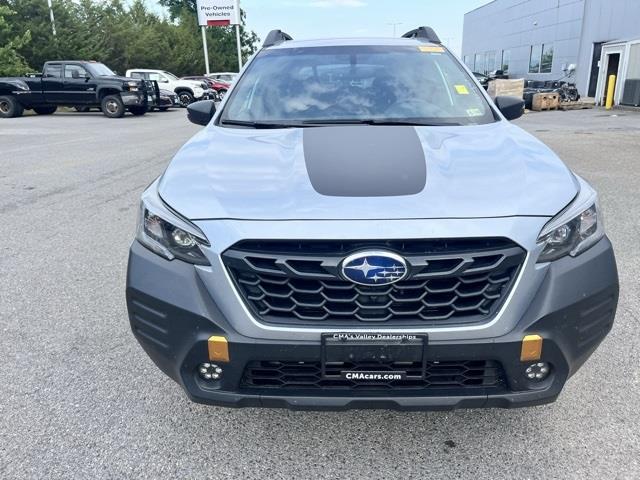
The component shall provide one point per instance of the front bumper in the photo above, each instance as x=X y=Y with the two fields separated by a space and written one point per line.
x=172 y=315
x=137 y=98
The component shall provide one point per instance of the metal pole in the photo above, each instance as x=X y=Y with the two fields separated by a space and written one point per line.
x=206 y=50
x=239 y=48
x=53 y=21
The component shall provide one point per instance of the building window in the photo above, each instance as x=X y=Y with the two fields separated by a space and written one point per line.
x=504 y=64
x=491 y=62
x=547 y=59
x=541 y=59
x=478 y=63
x=534 y=59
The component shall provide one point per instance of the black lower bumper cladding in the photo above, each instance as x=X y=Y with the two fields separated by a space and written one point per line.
x=174 y=330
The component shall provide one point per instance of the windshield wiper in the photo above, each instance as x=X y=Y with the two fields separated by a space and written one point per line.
x=381 y=121
x=249 y=124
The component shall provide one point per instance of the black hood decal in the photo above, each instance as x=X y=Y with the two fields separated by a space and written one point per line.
x=365 y=161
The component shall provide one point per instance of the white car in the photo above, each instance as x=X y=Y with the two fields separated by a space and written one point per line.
x=228 y=77
x=187 y=90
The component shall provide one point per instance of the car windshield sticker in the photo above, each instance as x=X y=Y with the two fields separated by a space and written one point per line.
x=431 y=49
x=462 y=90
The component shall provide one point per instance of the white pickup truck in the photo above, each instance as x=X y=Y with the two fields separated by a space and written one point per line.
x=188 y=91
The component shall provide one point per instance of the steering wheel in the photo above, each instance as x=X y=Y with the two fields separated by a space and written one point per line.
x=415 y=107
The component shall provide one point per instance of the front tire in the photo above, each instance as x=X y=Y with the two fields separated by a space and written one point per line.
x=185 y=98
x=112 y=106
x=163 y=109
x=137 y=110
x=9 y=107
x=221 y=94
x=45 y=110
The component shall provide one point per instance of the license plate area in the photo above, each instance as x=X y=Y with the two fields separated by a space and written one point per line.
x=373 y=353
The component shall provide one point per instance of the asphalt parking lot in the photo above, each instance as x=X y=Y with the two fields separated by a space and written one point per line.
x=80 y=399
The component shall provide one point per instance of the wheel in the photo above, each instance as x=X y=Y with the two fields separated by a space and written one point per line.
x=81 y=108
x=185 y=98
x=9 y=107
x=137 y=111
x=221 y=94
x=45 y=110
x=112 y=106
x=163 y=109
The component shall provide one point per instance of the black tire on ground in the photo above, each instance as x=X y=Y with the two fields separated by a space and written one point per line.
x=137 y=110
x=163 y=109
x=112 y=106
x=221 y=94
x=81 y=108
x=48 y=110
x=9 y=107
x=185 y=98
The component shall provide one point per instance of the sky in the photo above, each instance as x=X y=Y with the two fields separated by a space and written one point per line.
x=353 y=18
x=356 y=18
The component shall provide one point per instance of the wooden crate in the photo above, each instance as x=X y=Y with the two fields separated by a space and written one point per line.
x=508 y=87
x=545 y=101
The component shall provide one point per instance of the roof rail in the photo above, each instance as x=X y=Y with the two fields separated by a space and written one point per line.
x=276 y=37
x=423 y=33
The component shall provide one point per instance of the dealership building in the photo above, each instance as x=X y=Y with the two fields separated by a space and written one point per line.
x=581 y=41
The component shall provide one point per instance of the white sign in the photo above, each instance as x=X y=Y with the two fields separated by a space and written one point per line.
x=216 y=13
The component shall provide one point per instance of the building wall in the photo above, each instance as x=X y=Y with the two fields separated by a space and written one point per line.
x=605 y=21
x=517 y=25
x=572 y=26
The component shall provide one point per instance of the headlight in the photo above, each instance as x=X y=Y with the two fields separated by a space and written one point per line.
x=168 y=235
x=575 y=230
x=133 y=86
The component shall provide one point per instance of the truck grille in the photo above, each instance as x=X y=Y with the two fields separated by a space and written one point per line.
x=449 y=282
x=308 y=375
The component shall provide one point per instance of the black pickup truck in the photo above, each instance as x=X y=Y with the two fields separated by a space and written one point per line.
x=78 y=84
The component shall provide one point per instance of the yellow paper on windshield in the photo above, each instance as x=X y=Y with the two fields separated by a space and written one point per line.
x=431 y=49
x=462 y=90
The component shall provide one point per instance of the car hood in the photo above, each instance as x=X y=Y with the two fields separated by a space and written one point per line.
x=366 y=172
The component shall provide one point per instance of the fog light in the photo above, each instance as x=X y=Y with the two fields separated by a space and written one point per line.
x=209 y=371
x=537 y=371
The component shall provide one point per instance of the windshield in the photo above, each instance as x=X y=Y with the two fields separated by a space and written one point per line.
x=170 y=75
x=100 y=69
x=359 y=84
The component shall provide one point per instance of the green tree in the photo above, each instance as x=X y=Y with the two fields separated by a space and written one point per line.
x=122 y=34
x=11 y=62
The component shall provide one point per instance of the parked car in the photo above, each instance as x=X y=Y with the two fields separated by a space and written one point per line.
x=367 y=229
x=75 y=83
x=167 y=99
x=482 y=79
x=187 y=90
x=219 y=86
x=228 y=77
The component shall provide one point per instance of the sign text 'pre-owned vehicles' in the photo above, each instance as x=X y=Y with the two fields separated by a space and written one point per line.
x=359 y=225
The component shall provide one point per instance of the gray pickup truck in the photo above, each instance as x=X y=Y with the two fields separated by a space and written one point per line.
x=79 y=84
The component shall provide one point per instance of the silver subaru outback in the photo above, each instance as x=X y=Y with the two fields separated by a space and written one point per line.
x=360 y=226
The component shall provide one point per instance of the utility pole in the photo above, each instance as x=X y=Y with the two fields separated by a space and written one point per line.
x=53 y=21
x=394 y=27
x=205 y=48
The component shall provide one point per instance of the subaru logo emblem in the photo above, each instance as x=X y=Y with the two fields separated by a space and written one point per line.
x=374 y=268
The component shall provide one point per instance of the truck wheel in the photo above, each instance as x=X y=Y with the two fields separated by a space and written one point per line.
x=45 y=110
x=137 y=111
x=163 y=109
x=221 y=94
x=9 y=107
x=112 y=106
x=185 y=98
